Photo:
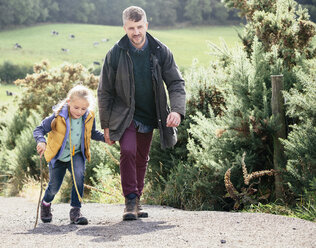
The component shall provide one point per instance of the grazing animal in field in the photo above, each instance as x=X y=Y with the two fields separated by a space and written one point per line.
x=71 y=36
x=17 y=46
x=96 y=63
x=105 y=40
x=65 y=50
x=54 y=32
x=95 y=43
x=9 y=93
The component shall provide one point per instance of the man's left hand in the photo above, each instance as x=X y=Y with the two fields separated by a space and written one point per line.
x=173 y=119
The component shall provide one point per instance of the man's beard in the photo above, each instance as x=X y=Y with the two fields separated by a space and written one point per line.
x=142 y=38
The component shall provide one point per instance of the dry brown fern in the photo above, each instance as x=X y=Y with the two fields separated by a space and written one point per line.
x=255 y=174
x=229 y=186
x=233 y=193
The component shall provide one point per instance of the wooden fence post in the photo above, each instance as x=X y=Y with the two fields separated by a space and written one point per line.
x=277 y=104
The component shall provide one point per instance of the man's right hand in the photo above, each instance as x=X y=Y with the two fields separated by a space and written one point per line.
x=107 y=136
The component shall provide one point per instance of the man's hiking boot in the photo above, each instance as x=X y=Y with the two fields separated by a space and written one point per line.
x=46 y=213
x=130 y=211
x=76 y=217
x=140 y=212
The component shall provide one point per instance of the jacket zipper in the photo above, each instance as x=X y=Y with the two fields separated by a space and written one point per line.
x=154 y=64
x=86 y=121
x=130 y=71
x=131 y=76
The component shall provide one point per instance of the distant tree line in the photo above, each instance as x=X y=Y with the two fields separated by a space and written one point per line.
x=108 y=12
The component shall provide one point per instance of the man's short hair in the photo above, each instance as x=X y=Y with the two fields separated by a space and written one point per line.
x=134 y=13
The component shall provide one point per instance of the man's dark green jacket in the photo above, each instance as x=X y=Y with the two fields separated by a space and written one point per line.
x=116 y=89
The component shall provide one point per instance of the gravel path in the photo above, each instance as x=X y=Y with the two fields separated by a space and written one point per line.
x=165 y=227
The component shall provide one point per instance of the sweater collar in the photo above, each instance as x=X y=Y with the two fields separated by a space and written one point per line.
x=134 y=49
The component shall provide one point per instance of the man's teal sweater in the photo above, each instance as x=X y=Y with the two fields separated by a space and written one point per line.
x=145 y=107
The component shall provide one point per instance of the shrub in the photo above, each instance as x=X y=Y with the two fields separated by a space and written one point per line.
x=203 y=96
x=102 y=156
x=306 y=205
x=282 y=24
x=301 y=142
x=6 y=167
x=15 y=128
x=10 y=72
x=46 y=87
x=233 y=119
x=107 y=185
x=238 y=119
x=25 y=161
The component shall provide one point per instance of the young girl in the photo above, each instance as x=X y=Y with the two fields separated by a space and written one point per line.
x=69 y=129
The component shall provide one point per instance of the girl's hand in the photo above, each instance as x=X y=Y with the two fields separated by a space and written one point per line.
x=41 y=147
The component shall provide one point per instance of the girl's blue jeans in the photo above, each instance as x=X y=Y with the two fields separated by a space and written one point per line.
x=56 y=177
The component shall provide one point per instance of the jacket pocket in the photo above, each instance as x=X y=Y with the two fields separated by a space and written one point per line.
x=169 y=136
x=118 y=116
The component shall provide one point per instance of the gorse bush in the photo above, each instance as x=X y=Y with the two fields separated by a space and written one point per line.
x=6 y=167
x=300 y=145
x=282 y=25
x=202 y=96
x=233 y=118
x=108 y=185
x=205 y=91
x=217 y=143
x=21 y=157
x=102 y=156
x=238 y=117
x=14 y=129
x=46 y=87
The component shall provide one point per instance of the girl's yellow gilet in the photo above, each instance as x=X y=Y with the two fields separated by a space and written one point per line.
x=57 y=135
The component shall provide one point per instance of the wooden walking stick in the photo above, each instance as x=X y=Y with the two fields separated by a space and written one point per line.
x=40 y=197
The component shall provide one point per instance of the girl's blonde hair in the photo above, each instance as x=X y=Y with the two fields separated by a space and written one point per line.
x=79 y=91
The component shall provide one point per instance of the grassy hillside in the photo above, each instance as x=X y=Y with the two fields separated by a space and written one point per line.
x=7 y=99
x=38 y=43
x=8 y=103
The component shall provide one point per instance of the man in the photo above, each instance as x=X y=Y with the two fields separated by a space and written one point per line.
x=132 y=102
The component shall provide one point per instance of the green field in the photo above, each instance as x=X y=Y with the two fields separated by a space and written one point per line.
x=4 y=98
x=38 y=43
x=8 y=102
